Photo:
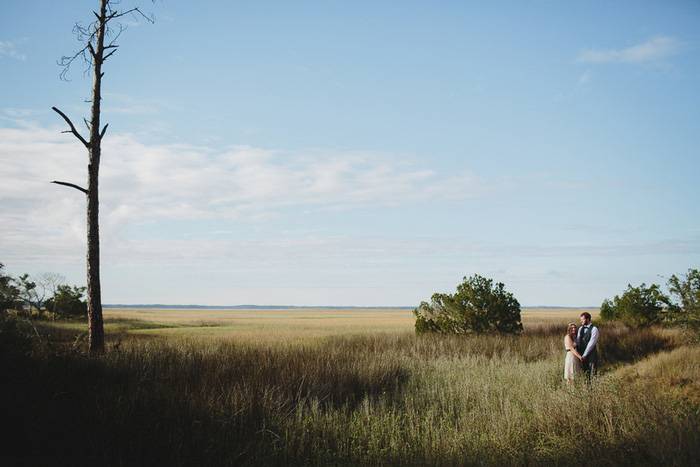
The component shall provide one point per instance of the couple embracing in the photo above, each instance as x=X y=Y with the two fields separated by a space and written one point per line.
x=581 y=352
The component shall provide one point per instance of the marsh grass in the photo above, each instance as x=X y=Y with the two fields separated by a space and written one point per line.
x=381 y=398
x=677 y=371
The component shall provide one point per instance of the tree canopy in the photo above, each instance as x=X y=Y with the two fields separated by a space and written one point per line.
x=685 y=292
x=638 y=306
x=9 y=293
x=478 y=306
x=68 y=302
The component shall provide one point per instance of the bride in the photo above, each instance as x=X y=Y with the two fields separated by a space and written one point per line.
x=572 y=363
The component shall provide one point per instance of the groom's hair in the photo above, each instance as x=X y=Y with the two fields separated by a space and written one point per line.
x=586 y=314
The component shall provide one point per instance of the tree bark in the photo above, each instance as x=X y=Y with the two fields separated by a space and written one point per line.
x=94 y=36
x=96 y=339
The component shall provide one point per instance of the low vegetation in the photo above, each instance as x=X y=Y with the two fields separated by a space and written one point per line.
x=381 y=398
x=644 y=306
x=479 y=306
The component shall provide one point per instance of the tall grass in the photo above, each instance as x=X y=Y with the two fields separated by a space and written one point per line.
x=368 y=399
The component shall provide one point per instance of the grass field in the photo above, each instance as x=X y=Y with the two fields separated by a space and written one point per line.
x=296 y=325
x=266 y=325
x=342 y=387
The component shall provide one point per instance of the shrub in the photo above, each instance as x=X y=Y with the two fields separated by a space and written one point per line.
x=638 y=306
x=478 y=306
x=686 y=291
x=68 y=302
x=9 y=294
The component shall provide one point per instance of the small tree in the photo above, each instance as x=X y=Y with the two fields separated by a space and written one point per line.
x=478 y=306
x=50 y=281
x=30 y=294
x=9 y=293
x=686 y=307
x=35 y=289
x=638 y=306
x=68 y=302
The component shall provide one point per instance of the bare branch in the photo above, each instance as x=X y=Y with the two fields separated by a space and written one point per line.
x=72 y=127
x=72 y=185
x=66 y=61
x=88 y=35
x=110 y=31
x=108 y=55
x=104 y=130
x=133 y=12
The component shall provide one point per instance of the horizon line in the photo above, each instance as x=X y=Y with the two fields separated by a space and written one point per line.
x=306 y=307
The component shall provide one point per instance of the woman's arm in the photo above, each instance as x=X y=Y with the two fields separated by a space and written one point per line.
x=569 y=343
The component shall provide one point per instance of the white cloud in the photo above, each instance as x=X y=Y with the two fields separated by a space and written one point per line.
x=9 y=49
x=182 y=182
x=142 y=184
x=125 y=104
x=585 y=78
x=654 y=51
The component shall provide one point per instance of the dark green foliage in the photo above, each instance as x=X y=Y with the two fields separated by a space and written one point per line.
x=638 y=306
x=68 y=302
x=29 y=294
x=686 y=307
x=479 y=306
x=9 y=293
x=14 y=341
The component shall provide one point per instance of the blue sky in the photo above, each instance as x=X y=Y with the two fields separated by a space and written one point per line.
x=359 y=153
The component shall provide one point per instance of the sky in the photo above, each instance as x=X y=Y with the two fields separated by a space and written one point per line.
x=365 y=153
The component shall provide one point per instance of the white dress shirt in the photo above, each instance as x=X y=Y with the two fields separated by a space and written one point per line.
x=593 y=339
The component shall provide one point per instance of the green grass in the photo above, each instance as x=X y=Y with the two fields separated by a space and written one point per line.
x=369 y=398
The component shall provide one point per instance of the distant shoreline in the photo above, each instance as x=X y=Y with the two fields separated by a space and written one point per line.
x=289 y=307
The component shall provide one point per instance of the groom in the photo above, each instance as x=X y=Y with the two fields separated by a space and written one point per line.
x=587 y=340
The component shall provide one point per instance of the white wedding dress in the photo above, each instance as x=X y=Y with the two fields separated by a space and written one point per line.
x=572 y=366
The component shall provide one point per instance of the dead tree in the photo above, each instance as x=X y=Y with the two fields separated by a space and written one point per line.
x=94 y=54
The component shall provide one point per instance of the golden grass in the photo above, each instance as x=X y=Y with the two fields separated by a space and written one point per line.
x=267 y=325
x=361 y=388
x=546 y=316
x=677 y=371
x=297 y=325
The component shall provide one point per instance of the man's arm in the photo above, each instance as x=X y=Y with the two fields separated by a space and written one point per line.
x=592 y=342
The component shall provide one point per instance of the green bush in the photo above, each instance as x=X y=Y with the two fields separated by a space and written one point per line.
x=638 y=306
x=68 y=302
x=479 y=306
x=9 y=294
x=686 y=292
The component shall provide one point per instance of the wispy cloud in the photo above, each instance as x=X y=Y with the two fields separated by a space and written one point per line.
x=585 y=78
x=655 y=51
x=143 y=184
x=239 y=183
x=9 y=49
x=125 y=104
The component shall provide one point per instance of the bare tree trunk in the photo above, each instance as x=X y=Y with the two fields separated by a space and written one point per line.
x=94 y=54
x=96 y=335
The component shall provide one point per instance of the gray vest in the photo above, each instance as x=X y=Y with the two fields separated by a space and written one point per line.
x=583 y=339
